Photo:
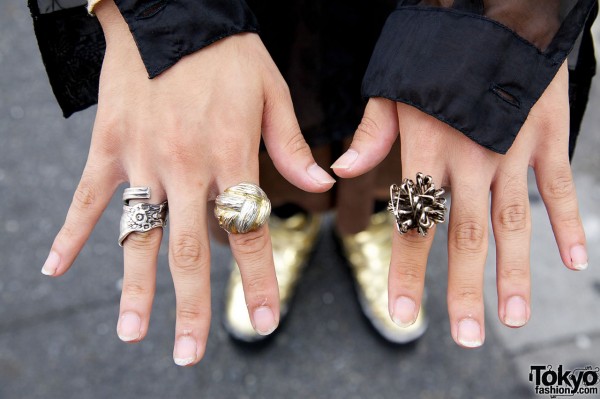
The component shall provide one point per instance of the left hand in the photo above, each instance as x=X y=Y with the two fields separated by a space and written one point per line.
x=434 y=148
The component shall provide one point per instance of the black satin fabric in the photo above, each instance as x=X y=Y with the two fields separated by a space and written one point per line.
x=72 y=43
x=72 y=46
x=478 y=65
x=467 y=70
x=322 y=49
x=166 y=30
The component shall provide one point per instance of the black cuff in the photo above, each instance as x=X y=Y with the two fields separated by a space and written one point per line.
x=167 y=30
x=468 y=71
x=72 y=43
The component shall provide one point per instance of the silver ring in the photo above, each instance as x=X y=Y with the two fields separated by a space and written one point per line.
x=141 y=217
x=417 y=204
x=133 y=193
x=242 y=208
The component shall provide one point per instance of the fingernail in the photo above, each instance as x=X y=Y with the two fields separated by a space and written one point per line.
x=129 y=327
x=469 y=333
x=185 y=350
x=264 y=321
x=515 y=312
x=579 y=258
x=346 y=160
x=403 y=313
x=319 y=175
x=51 y=264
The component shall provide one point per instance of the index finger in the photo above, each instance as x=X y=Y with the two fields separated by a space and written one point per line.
x=91 y=197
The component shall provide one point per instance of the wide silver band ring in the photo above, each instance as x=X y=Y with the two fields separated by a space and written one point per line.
x=417 y=204
x=242 y=208
x=141 y=217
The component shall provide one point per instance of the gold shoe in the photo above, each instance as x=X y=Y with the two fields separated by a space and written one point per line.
x=293 y=240
x=369 y=253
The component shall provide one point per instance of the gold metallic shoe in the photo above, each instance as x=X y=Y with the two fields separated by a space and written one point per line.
x=293 y=240
x=368 y=254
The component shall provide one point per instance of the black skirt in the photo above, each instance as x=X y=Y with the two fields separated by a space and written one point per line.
x=322 y=49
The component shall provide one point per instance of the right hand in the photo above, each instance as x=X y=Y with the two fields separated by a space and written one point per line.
x=188 y=134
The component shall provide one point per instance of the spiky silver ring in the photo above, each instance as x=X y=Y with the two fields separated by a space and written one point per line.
x=417 y=204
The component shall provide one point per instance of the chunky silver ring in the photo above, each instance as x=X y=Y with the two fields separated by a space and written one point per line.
x=141 y=217
x=417 y=204
x=242 y=208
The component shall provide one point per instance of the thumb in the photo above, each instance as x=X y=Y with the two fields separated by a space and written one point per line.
x=372 y=141
x=286 y=146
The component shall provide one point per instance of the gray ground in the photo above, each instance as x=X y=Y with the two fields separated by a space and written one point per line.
x=58 y=340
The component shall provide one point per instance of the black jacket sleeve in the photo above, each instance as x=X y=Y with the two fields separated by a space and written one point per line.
x=472 y=71
x=72 y=43
x=166 y=30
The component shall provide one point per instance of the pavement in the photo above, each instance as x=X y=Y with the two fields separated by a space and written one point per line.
x=58 y=339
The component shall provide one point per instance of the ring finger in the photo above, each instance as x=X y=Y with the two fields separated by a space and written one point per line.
x=512 y=231
x=254 y=255
x=410 y=251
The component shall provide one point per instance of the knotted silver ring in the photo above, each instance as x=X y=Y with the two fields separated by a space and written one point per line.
x=242 y=208
x=141 y=217
x=417 y=204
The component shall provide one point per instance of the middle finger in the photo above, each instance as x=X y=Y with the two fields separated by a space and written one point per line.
x=467 y=251
x=511 y=221
x=189 y=261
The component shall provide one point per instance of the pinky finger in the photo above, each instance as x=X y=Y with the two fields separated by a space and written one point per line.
x=555 y=182
x=89 y=201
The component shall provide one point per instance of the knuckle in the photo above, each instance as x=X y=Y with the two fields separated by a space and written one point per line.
x=296 y=145
x=408 y=274
x=134 y=289
x=225 y=156
x=278 y=95
x=514 y=273
x=250 y=244
x=142 y=241
x=177 y=148
x=189 y=311
x=569 y=220
x=367 y=129
x=513 y=218
x=560 y=187
x=69 y=232
x=415 y=242
x=108 y=138
x=467 y=294
x=547 y=124
x=107 y=127
x=256 y=283
x=187 y=252
x=179 y=154
x=468 y=237
x=85 y=196
x=107 y=143
x=283 y=89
